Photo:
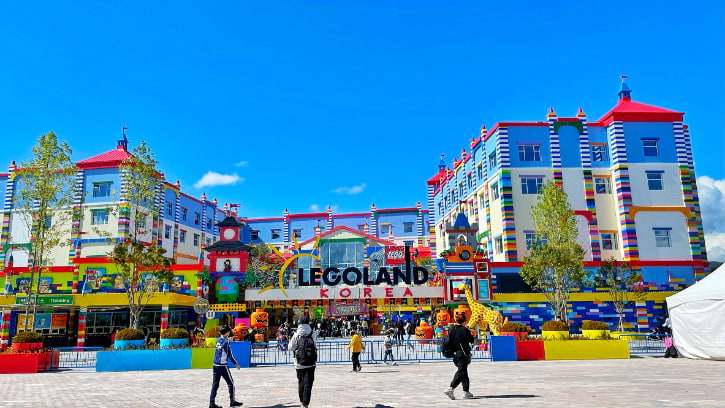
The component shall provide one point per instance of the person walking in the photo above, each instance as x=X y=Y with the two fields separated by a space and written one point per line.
x=304 y=350
x=461 y=339
x=388 y=344
x=222 y=356
x=364 y=327
x=357 y=346
x=409 y=331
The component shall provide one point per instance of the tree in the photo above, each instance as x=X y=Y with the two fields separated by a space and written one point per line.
x=142 y=265
x=44 y=203
x=623 y=283
x=554 y=265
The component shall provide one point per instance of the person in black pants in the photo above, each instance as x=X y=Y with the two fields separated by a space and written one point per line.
x=222 y=356
x=305 y=372
x=461 y=339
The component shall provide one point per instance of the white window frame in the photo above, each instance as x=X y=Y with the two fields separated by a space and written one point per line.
x=663 y=237
x=99 y=191
x=99 y=217
x=649 y=145
x=655 y=177
x=529 y=152
x=525 y=184
x=604 y=182
x=599 y=152
x=495 y=193
x=610 y=237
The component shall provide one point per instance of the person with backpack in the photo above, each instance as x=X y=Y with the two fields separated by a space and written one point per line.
x=357 y=347
x=304 y=351
x=388 y=344
x=460 y=340
x=222 y=356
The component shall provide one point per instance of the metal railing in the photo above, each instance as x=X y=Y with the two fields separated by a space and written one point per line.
x=74 y=357
x=645 y=343
x=329 y=352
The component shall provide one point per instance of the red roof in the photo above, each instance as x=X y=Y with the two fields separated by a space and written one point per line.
x=631 y=111
x=437 y=178
x=112 y=158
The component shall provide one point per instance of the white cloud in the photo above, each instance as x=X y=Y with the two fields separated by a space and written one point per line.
x=242 y=163
x=350 y=190
x=215 y=179
x=712 y=203
x=314 y=207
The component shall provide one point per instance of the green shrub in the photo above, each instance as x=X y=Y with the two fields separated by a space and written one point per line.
x=130 y=334
x=175 y=333
x=212 y=332
x=594 y=325
x=28 y=337
x=514 y=327
x=555 y=325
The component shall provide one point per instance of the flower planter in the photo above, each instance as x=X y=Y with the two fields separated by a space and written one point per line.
x=530 y=350
x=128 y=344
x=21 y=363
x=139 y=360
x=586 y=349
x=174 y=343
x=596 y=334
x=203 y=357
x=555 y=335
x=21 y=347
x=518 y=335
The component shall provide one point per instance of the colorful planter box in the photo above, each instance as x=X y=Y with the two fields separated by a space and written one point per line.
x=24 y=347
x=173 y=343
x=203 y=357
x=530 y=350
x=586 y=349
x=128 y=344
x=503 y=348
x=518 y=335
x=139 y=360
x=596 y=334
x=554 y=335
x=23 y=363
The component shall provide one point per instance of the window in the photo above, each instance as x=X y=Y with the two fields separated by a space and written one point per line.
x=440 y=208
x=48 y=221
x=599 y=152
x=654 y=180
x=662 y=237
x=531 y=185
x=461 y=189
x=297 y=232
x=197 y=218
x=533 y=240
x=407 y=227
x=169 y=208
x=196 y=239
x=602 y=185
x=167 y=231
x=182 y=236
x=498 y=245
x=530 y=152
x=342 y=255
x=184 y=211
x=255 y=235
x=276 y=233
x=208 y=224
x=385 y=228
x=99 y=217
x=208 y=241
x=479 y=171
x=454 y=195
x=494 y=191
x=102 y=189
x=492 y=160
x=650 y=147
x=141 y=222
x=609 y=240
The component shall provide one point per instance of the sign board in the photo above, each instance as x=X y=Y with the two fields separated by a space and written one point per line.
x=210 y=314
x=201 y=306
x=346 y=309
x=394 y=254
x=45 y=300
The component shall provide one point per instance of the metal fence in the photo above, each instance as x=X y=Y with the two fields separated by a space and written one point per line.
x=337 y=352
x=74 y=357
x=645 y=343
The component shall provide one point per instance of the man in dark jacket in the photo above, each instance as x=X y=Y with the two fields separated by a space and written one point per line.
x=222 y=356
x=461 y=339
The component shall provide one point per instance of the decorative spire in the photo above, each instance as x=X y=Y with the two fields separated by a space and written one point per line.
x=417 y=205
x=203 y=196
x=216 y=202
x=463 y=154
x=123 y=143
x=473 y=142
x=178 y=184
x=624 y=92
x=329 y=209
x=551 y=114
x=442 y=164
x=581 y=114
x=372 y=207
x=483 y=130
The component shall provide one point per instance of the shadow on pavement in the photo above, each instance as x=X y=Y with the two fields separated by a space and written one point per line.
x=509 y=396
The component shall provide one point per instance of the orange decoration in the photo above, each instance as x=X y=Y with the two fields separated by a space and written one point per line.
x=442 y=318
x=260 y=318
x=462 y=310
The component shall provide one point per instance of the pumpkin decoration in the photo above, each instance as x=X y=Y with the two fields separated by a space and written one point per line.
x=241 y=331
x=259 y=338
x=423 y=333
x=462 y=310
x=443 y=318
x=260 y=318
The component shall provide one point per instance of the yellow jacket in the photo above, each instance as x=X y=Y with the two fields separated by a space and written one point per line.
x=356 y=344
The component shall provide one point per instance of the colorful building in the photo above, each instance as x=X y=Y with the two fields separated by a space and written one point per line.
x=630 y=180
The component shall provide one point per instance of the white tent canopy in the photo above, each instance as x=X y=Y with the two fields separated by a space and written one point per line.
x=697 y=315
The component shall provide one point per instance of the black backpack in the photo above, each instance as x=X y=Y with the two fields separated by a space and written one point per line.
x=447 y=346
x=306 y=353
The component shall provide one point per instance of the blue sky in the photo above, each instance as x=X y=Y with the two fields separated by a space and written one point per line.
x=301 y=105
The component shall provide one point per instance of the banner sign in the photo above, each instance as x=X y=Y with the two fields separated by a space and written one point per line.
x=46 y=300
x=394 y=254
x=346 y=309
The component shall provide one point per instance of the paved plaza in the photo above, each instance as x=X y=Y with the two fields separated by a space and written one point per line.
x=637 y=382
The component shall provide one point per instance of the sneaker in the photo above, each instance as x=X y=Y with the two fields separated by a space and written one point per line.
x=449 y=393
x=359 y=369
x=214 y=405
x=467 y=395
x=236 y=404
x=395 y=363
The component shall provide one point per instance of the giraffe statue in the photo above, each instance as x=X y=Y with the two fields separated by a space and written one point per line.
x=481 y=315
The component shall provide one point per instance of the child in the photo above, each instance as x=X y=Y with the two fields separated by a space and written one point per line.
x=389 y=347
x=222 y=356
x=357 y=346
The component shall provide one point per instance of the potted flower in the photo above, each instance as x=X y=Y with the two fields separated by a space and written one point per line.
x=520 y=330
x=174 y=337
x=595 y=330
x=129 y=338
x=211 y=334
x=555 y=330
x=27 y=341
